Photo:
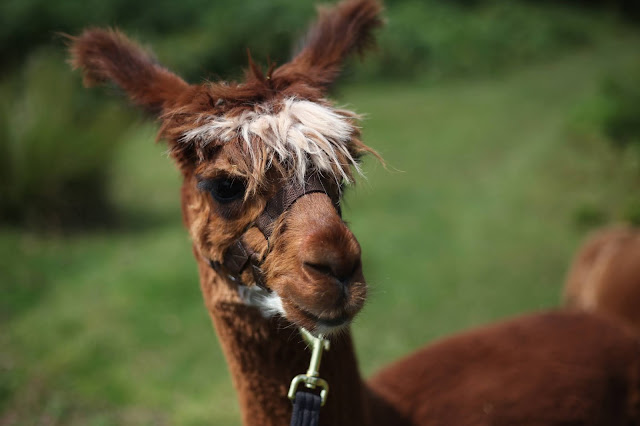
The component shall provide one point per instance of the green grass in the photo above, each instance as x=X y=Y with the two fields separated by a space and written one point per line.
x=473 y=221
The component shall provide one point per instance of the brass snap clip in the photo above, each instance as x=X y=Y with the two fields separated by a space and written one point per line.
x=311 y=379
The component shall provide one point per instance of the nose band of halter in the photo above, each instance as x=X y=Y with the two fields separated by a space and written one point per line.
x=239 y=256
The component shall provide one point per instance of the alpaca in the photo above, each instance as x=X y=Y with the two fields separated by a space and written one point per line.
x=553 y=368
x=605 y=275
x=264 y=164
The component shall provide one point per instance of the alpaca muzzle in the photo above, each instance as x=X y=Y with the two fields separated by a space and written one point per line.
x=239 y=256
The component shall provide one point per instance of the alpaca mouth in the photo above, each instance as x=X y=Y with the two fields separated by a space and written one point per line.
x=325 y=324
x=332 y=322
x=325 y=314
x=271 y=304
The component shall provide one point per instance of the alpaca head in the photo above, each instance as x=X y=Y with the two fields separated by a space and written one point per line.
x=243 y=148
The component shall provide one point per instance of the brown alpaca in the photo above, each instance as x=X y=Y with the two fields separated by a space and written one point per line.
x=264 y=163
x=553 y=368
x=605 y=276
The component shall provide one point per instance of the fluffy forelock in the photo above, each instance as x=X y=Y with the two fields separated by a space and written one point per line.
x=295 y=133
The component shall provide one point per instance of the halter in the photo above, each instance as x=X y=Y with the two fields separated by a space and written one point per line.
x=239 y=256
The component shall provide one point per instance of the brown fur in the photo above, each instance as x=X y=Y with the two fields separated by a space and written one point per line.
x=556 y=368
x=327 y=241
x=338 y=32
x=265 y=354
x=605 y=276
x=547 y=369
x=107 y=55
x=310 y=234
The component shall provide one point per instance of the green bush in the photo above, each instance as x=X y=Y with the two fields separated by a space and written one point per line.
x=57 y=144
x=608 y=124
x=613 y=113
x=632 y=212
x=621 y=124
x=621 y=118
x=193 y=36
x=444 y=39
x=200 y=38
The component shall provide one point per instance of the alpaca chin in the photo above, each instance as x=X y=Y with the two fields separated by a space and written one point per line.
x=270 y=305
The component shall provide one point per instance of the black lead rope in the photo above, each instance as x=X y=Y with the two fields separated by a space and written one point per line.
x=306 y=409
x=306 y=405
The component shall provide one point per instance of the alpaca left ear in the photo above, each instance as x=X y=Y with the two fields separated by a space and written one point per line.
x=347 y=27
x=108 y=55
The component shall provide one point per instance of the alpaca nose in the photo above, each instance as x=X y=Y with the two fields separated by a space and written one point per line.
x=334 y=258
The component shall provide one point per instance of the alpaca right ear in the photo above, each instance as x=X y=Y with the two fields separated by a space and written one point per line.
x=108 y=55
x=339 y=31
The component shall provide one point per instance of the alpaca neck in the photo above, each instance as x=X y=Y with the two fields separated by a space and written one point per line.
x=264 y=354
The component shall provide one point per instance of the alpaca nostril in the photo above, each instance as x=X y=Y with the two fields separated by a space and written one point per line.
x=342 y=283
x=342 y=273
x=320 y=268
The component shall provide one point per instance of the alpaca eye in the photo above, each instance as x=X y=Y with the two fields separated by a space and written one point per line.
x=224 y=190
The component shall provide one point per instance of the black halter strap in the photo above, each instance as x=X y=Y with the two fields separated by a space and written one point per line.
x=239 y=256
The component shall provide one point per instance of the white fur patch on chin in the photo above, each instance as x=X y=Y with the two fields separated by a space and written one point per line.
x=326 y=331
x=300 y=132
x=269 y=303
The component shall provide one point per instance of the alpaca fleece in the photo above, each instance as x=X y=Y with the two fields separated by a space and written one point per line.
x=605 y=276
x=545 y=369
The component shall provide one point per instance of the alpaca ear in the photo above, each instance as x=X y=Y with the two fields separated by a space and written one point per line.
x=339 y=31
x=108 y=55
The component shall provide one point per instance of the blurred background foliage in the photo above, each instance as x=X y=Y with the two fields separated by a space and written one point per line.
x=512 y=129
x=426 y=40
x=57 y=142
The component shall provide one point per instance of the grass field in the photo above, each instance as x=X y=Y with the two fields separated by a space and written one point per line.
x=474 y=220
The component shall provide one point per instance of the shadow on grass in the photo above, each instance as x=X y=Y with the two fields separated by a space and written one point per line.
x=32 y=250
x=88 y=218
